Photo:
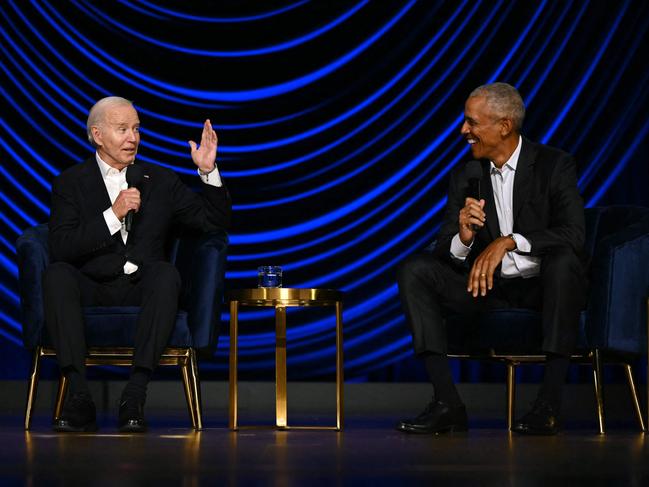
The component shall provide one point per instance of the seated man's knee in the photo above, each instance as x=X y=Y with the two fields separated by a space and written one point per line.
x=416 y=267
x=407 y=267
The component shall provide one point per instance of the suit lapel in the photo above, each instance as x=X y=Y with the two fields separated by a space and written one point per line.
x=523 y=176
x=145 y=189
x=487 y=194
x=145 y=192
x=93 y=187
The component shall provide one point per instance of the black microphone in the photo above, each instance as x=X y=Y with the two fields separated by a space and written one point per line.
x=473 y=173
x=134 y=178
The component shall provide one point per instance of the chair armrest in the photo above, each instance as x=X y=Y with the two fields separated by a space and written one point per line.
x=33 y=257
x=201 y=261
x=617 y=306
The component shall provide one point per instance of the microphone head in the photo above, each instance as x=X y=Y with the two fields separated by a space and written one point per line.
x=472 y=170
x=134 y=175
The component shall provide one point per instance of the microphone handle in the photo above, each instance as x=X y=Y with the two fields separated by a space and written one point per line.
x=128 y=222
x=475 y=193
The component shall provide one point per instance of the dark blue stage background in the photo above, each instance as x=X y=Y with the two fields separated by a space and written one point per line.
x=338 y=124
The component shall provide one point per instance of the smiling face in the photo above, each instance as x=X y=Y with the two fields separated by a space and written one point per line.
x=117 y=136
x=490 y=136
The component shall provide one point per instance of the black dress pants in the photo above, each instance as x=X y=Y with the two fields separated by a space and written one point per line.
x=432 y=288
x=155 y=287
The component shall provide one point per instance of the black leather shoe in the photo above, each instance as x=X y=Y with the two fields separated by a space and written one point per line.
x=78 y=415
x=438 y=417
x=541 y=420
x=131 y=415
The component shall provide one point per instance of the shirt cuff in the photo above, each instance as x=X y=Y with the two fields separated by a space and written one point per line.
x=130 y=267
x=112 y=222
x=522 y=244
x=458 y=249
x=212 y=178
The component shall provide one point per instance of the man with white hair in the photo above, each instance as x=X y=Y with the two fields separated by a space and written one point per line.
x=107 y=244
x=518 y=244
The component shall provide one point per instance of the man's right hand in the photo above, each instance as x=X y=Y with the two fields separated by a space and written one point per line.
x=472 y=214
x=127 y=199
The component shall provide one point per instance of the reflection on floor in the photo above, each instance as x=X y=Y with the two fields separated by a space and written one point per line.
x=368 y=452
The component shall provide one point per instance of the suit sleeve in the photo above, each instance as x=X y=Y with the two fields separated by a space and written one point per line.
x=206 y=212
x=567 y=225
x=72 y=238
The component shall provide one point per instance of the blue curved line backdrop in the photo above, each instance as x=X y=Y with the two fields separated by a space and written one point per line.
x=338 y=124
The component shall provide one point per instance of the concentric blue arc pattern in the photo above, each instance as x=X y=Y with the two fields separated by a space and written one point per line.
x=338 y=124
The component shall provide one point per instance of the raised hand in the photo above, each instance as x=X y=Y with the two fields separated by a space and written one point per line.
x=204 y=156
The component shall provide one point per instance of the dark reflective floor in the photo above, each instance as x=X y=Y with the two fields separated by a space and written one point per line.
x=368 y=452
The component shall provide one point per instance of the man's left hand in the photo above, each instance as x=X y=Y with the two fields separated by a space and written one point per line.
x=481 y=277
x=204 y=156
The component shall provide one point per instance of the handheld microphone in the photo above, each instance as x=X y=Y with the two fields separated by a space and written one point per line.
x=473 y=173
x=134 y=178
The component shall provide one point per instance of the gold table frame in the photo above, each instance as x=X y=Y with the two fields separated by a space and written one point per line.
x=280 y=299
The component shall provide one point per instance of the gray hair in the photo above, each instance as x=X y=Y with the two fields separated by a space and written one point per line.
x=504 y=100
x=98 y=112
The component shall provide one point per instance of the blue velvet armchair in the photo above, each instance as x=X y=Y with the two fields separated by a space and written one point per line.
x=200 y=260
x=613 y=327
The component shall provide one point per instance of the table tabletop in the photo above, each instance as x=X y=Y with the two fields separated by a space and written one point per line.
x=287 y=296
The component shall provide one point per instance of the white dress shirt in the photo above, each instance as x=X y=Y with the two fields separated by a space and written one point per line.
x=514 y=264
x=115 y=182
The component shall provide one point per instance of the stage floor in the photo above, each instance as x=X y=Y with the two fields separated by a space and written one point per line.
x=368 y=452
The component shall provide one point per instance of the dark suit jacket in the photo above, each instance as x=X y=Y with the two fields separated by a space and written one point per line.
x=78 y=233
x=548 y=209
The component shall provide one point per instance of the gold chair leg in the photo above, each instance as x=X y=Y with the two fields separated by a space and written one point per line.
x=60 y=396
x=184 y=368
x=511 y=393
x=33 y=385
x=599 y=395
x=634 y=396
x=339 y=366
x=196 y=390
x=233 y=419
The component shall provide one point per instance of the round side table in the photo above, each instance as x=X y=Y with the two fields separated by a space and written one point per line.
x=281 y=298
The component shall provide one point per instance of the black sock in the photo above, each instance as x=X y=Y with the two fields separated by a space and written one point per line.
x=137 y=384
x=439 y=372
x=556 y=371
x=77 y=383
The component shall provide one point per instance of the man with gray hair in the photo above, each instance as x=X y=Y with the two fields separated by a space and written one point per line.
x=518 y=243
x=107 y=244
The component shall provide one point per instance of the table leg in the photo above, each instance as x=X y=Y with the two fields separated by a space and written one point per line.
x=511 y=394
x=280 y=366
x=339 y=365
x=234 y=330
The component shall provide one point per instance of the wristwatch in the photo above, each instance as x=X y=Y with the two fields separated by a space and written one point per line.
x=511 y=235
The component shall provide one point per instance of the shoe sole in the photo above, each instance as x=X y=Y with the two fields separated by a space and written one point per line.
x=527 y=432
x=132 y=429
x=448 y=429
x=88 y=428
